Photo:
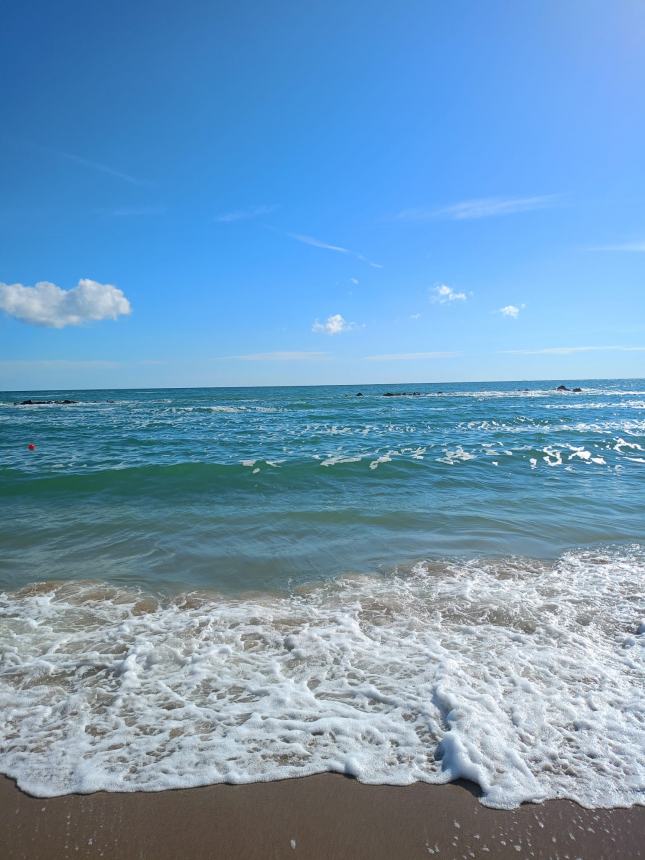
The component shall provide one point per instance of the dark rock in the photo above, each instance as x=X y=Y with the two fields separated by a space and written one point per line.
x=359 y=394
x=562 y=388
x=44 y=402
x=402 y=394
x=577 y=390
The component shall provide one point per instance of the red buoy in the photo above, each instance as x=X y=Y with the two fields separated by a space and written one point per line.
x=31 y=446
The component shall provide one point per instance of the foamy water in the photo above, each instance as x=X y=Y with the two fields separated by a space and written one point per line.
x=525 y=677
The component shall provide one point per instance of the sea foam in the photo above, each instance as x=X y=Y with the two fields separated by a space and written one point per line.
x=525 y=677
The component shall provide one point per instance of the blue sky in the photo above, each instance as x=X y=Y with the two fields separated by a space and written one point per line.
x=322 y=192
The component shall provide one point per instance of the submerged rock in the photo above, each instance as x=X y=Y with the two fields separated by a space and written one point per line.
x=402 y=394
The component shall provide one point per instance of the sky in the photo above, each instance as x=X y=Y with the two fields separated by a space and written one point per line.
x=258 y=193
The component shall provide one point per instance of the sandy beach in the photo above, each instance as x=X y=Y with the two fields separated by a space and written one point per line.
x=324 y=816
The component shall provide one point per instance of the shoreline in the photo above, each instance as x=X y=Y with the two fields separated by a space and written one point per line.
x=323 y=816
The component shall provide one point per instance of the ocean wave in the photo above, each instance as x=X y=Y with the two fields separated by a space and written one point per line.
x=522 y=676
x=79 y=474
x=131 y=480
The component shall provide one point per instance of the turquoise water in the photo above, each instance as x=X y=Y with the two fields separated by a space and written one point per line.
x=240 y=489
x=231 y=585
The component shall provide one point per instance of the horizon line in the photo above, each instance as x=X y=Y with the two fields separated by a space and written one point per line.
x=330 y=385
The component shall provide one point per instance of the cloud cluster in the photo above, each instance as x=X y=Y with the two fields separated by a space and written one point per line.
x=46 y=304
x=443 y=294
x=334 y=324
x=510 y=311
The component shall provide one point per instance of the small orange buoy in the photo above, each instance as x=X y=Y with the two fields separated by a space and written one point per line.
x=31 y=446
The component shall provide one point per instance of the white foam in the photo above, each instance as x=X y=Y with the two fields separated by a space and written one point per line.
x=335 y=459
x=632 y=446
x=524 y=677
x=383 y=458
x=457 y=455
x=586 y=456
x=552 y=457
x=224 y=408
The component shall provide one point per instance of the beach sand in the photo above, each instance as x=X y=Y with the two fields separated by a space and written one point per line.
x=326 y=816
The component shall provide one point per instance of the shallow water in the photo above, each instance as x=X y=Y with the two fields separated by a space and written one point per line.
x=399 y=588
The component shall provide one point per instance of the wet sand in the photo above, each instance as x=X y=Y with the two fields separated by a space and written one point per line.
x=324 y=816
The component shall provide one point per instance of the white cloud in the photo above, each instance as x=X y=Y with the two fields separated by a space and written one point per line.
x=48 y=305
x=415 y=316
x=443 y=294
x=244 y=214
x=634 y=247
x=354 y=281
x=483 y=207
x=334 y=324
x=571 y=350
x=411 y=356
x=326 y=246
x=510 y=311
x=283 y=356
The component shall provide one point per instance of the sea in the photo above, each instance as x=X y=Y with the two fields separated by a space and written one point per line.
x=398 y=583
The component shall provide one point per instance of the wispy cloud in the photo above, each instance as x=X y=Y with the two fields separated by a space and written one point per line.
x=481 y=207
x=410 y=356
x=327 y=246
x=630 y=247
x=46 y=304
x=317 y=243
x=571 y=350
x=283 y=356
x=512 y=311
x=58 y=364
x=443 y=294
x=334 y=324
x=96 y=165
x=133 y=211
x=75 y=364
x=369 y=262
x=245 y=214
x=415 y=316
